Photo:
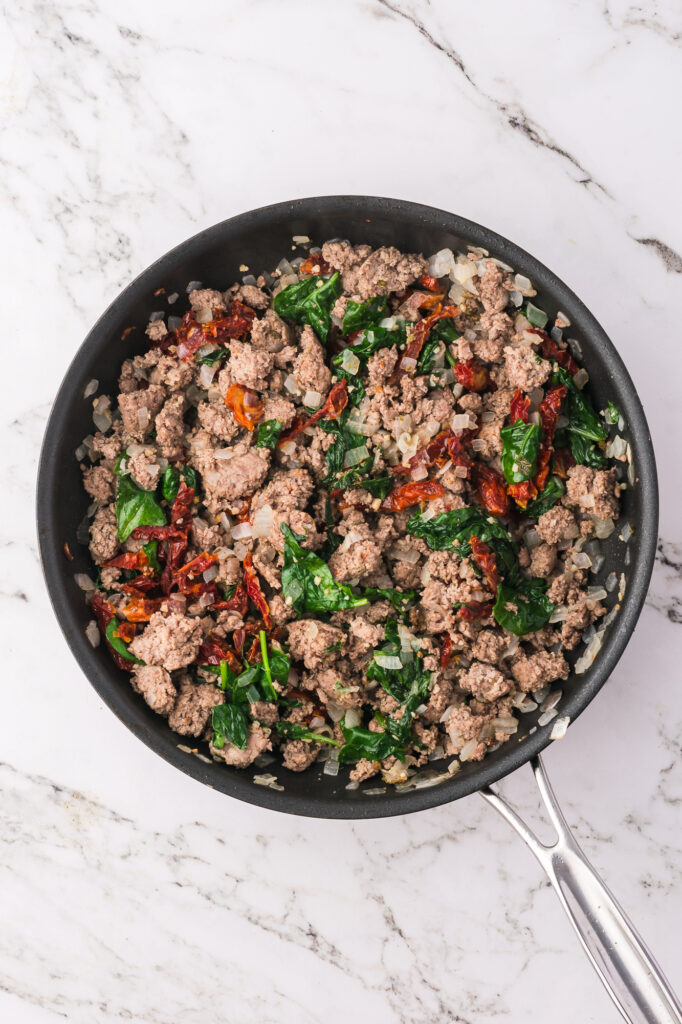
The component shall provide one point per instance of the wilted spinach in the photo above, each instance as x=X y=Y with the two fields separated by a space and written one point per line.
x=294 y=731
x=307 y=582
x=533 y=607
x=444 y=331
x=375 y=746
x=119 y=646
x=229 y=723
x=150 y=550
x=585 y=429
x=409 y=685
x=520 y=450
x=359 y=315
x=170 y=482
x=553 y=490
x=268 y=434
x=135 y=507
x=310 y=302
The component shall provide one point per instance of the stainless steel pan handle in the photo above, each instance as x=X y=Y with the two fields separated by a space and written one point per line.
x=627 y=969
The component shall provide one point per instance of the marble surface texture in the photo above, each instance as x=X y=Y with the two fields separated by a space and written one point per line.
x=127 y=891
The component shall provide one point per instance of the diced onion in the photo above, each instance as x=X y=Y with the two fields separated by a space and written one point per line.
x=460 y=421
x=83 y=581
x=90 y=388
x=581 y=378
x=617 y=448
x=143 y=417
x=523 y=285
x=387 y=661
x=206 y=374
x=559 y=728
x=420 y=472
x=560 y=614
x=603 y=528
x=595 y=593
x=223 y=454
x=262 y=522
x=611 y=582
x=350 y=362
x=591 y=651
x=291 y=384
x=92 y=633
x=241 y=531
x=582 y=560
x=312 y=399
x=408 y=364
x=355 y=455
x=210 y=573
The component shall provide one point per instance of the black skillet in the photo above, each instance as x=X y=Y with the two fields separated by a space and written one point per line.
x=259 y=239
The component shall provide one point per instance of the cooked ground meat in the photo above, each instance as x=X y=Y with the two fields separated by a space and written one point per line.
x=313 y=523
x=156 y=686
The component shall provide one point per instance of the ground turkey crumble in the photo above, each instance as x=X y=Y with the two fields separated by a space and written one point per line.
x=313 y=531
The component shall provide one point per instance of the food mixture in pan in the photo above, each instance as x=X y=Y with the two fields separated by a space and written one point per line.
x=343 y=511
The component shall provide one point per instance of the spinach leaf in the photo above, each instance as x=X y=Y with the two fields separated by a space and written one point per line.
x=119 y=646
x=444 y=331
x=533 y=607
x=363 y=314
x=585 y=452
x=212 y=357
x=520 y=450
x=170 y=481
x=345 y=440
x=409 y=685
x=585 y=430
x=307 y=582
x=150 y=550
x=553 y=490
x=135 y=507
x=229 y=723
x=400 y=599
x=614 y=412
x=268 y=434
x=294 y=731
x=310 y=302
x=333 y=539
x=227 y=676
x=378 y=486
x=375 y=746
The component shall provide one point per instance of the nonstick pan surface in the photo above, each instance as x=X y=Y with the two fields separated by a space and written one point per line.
x=259 y=239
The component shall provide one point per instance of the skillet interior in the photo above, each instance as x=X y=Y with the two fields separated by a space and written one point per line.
x=260 y=238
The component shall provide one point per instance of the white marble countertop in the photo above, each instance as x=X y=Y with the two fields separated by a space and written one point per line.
x=127 y=891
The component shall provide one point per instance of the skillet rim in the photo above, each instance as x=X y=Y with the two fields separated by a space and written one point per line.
x=239 y=785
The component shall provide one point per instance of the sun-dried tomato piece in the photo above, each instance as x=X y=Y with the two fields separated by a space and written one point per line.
x=140 y=609
x=239 y=602
x=430 y=283
x=336 y=402
x=236 y=323
x=475 y=610
x=314 y=265
x=141 y=584
x=562 y=461
x=551 y=350
x=523 y=493
x=191 y=335
x=411 y=494
x=254 y=654
x=253 y=589
x=246 y=406
x=447 y=650
x=549 y=411
x=419 y=335
x=129 y=560
x=520 y=405
x=196 y=567
x=492 y=492
x=486 y=561
x=216 y=649
x=125 y=631
x=472 y=374
x=445 y=445
x=104 y=612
